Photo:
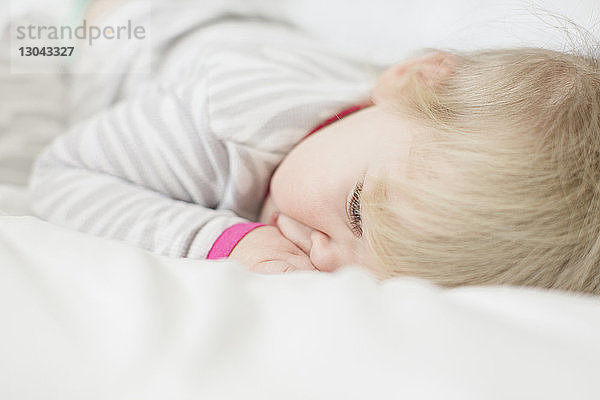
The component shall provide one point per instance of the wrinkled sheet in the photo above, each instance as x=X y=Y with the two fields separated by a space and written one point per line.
x=87 y=318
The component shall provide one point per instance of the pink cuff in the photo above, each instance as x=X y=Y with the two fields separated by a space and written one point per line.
x=222 y=247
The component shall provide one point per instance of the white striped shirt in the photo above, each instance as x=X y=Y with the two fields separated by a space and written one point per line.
x=175 y=162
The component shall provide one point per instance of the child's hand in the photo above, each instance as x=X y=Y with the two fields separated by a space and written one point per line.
x=266 y=250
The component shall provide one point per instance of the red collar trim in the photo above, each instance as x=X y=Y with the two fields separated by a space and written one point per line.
x=338 y=116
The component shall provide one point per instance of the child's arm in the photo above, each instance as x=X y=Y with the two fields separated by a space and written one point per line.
x=149 y=171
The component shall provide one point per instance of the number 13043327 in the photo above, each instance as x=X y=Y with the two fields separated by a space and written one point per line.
x=46 y=51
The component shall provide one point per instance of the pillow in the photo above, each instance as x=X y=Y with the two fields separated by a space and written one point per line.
x=384 y=32
x=84 y=317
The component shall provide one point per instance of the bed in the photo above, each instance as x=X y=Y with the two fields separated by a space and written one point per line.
x=90 y=318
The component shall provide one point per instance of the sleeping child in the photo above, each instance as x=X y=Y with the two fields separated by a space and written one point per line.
x=255 y=142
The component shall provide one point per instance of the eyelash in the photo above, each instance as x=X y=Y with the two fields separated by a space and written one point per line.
x=353 y=210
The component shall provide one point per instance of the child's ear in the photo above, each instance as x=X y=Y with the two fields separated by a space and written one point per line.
x=431 y=69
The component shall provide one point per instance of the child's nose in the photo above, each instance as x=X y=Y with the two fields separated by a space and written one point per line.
x=322 y=252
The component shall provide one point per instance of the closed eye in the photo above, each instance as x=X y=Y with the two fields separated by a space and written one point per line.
x=353 y=210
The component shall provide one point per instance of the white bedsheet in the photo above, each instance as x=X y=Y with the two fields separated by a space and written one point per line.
x=86 y=318
x=14 y=200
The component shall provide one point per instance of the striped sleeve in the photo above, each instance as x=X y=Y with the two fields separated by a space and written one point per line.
x=147 y=171
x=173 y=166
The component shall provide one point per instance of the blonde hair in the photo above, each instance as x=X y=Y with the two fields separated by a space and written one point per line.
x=503 y=180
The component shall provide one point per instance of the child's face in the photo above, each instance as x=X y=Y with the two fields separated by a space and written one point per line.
x=312 y=185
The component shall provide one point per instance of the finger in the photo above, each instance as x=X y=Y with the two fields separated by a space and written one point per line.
x=273 y=267
x=302 y=263
x=295 y=232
